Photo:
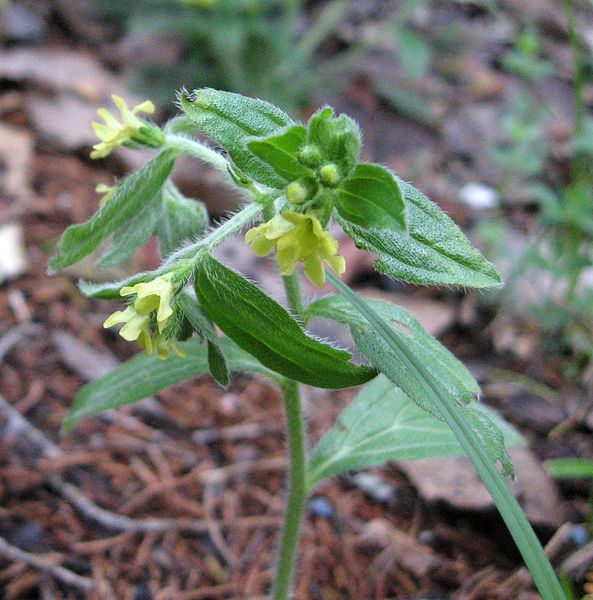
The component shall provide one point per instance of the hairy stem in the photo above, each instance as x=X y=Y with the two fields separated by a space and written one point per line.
x=200 y=151
x=247 y=215
x=297 y=486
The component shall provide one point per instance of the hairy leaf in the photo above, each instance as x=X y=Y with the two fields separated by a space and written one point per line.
x=338 y=138
x=452 y=374
x=262 y=327
x=479 y=451
x=133 y=234
x=181 y=219
x=280 y=151
x=383 y=424
x=144 y=375
x=217 y=364
x=370 y=197
x=80 y=240
x=231 y=119
x=433 y=250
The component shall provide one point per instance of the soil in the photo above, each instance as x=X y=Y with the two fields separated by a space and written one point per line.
x=182 y=496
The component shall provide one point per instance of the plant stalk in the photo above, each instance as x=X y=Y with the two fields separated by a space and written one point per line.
x=297 y=485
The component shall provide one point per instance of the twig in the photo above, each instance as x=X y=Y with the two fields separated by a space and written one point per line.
x=249 y=466
x=14 y=335
x=33 y=560
x=243 y=431
x=117 y=522
x=17 y=424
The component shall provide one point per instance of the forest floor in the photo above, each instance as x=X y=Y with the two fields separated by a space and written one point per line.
x=182 y=496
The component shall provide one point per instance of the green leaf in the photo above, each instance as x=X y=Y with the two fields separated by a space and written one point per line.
x=414 y=52
x=454 y=379
x=280 y=151
x=452 y=373
x=433 y=250
x=370 y=197
x=231 y=119
x=217 y=364
x=383 y=424
x=472 y=443
x=570 y=468
x=133 y=234
x=180 y=219
x=145 y=375
x=80 y=240
x=265 y=329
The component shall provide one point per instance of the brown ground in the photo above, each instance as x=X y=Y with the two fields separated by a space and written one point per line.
x=181 y=497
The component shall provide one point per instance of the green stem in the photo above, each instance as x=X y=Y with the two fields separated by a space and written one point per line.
x=579 y=162
x=198 y=150
x=331 y=15
x=514 y=518
x=293 y=295
x=247 y=215
x=297 y=486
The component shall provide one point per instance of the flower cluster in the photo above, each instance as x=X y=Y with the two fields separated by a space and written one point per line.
x=297 y=238
x=152 y=302
x=114 y=133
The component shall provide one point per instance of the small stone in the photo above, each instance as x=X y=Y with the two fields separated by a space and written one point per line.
x=454 y=482
x=374 y=486
x=13 y=256
x=142 y=592
x=29 y=537
x=478 y=196
x=579 y=535
x=321 y=507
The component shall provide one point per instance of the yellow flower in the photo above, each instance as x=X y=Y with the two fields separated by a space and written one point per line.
x=112 y=133
x=135 y=328
x=297 y=238
x=163 y=347
x=153 y=295
x=108 y=192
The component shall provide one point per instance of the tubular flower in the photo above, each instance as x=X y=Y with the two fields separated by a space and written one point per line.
x=135 y=328
x=163 y=347
x=297 y=238
x=112 y=133
x=153 y=295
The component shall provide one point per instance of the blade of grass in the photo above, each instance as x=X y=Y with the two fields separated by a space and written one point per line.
x=539 y=566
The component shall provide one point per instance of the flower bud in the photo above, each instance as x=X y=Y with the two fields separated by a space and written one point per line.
x=310 y=156
x=301 y=190
x=330 y=175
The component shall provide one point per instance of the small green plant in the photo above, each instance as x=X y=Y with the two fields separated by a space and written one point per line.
x=248 y=46
x=562 y=247
x=417 y=399
x=523 y=154
x=264 y=48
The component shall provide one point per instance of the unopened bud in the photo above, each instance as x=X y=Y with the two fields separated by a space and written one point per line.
x=310 y=156
x=296 y=193
x=330 y=175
